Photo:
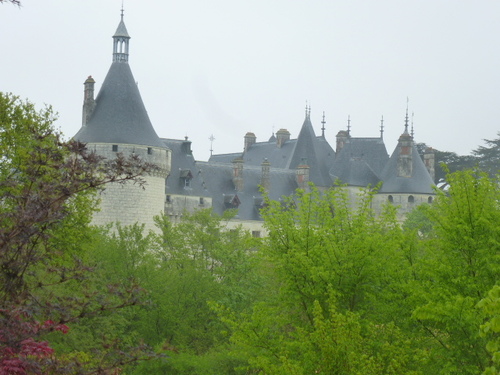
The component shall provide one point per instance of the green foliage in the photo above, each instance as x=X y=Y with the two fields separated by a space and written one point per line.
x=47 y=196
x=334 y=273
x=459 y=266
x=489 y=156
x=490 y=306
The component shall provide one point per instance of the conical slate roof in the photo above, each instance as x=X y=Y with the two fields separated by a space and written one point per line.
x=121 y=30
x=420 y=181
x=305 y=153
x=119 y=115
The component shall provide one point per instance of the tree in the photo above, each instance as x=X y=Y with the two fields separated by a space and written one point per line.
x=459 y=266
x=334 y=270
x=47 y=195
x=489 y=156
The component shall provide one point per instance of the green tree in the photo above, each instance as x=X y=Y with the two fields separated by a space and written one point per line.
x=47 y=189
x=489 y=156
x=334 y=271
x=490 y=306
x=460 y=265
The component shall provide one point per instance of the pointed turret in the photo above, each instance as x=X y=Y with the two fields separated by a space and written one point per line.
x=118 y=114
x=405 y=172
x=306 y=149
x=114 y=122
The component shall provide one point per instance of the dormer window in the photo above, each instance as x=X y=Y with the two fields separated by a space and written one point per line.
x=186 y=176
x=231 y=201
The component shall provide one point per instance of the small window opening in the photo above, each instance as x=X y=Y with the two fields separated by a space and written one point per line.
x=256 y=233
x=150 y=151
x=169 y=199
x=390 y=199
x=411 y=199
x=115 y=148
x=202 y=201
x=429 y=200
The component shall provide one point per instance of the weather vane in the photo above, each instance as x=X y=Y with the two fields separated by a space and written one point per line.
x=212 y=139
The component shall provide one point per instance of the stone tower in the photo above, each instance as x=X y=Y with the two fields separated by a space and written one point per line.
x=116 y=121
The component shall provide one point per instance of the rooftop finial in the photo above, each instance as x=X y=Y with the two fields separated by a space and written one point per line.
x=406 y=118
x=122 y=11
x=382 y=127
x=348 y=124
x=212 y=139
x=412 y=114
x=323 y=122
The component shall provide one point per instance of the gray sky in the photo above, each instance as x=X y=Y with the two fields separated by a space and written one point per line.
x=225 y=67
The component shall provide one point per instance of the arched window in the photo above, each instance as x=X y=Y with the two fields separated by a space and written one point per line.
x=429 y=200
x=390 y=199
x=411 y=199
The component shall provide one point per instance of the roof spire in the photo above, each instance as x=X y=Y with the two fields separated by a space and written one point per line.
x=323 y=122
x=382 y=127
x=349 y=125
x=122 y=11
x=412 y=114
x=406 y=118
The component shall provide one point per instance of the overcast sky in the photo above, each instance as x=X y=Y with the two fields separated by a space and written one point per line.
x=226 y=67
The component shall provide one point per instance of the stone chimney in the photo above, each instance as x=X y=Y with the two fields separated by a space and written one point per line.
x=342 y=137
x=282 y=136
x=265 y=180
x=88 y=99
x=238 y=174
x=302 y=175
x=405 y=162
x=429 y=161
x=250 y=139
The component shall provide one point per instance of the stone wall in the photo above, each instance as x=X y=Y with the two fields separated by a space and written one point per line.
x=129 y=203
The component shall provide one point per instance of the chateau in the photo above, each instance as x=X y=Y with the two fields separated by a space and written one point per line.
x=116 y=120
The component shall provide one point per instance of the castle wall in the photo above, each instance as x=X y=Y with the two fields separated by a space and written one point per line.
x=177 y=205
x=405 y=202
x=255 y=227
x=129 y=203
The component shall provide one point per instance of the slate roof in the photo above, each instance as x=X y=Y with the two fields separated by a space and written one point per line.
x=360 y=162
x=119 y=115
x=307 y=148
x=184 y=166
x=218 y=178
x=121 y=30
x=420 y=181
